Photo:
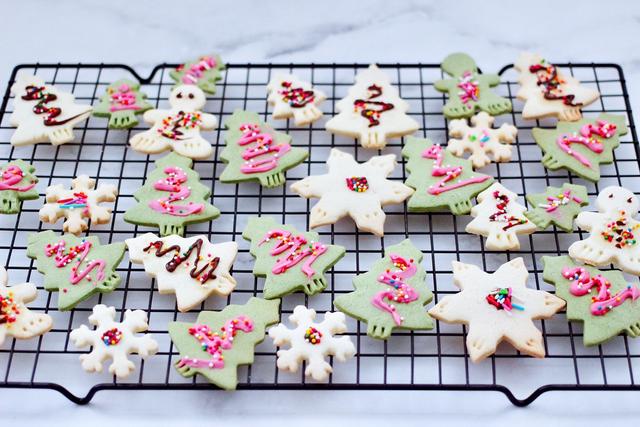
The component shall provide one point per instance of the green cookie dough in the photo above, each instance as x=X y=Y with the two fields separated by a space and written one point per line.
x=17 y=183
x=267 y=152
x=181 y=199
x=469 y=91
x=557 y=206
x=121 y=103
x=203 y=72
x=291 y=261
x=220 y=341
x=598 y=134
x=67 y=259
x=620 y=314
x=378 y=298
x=433 y=171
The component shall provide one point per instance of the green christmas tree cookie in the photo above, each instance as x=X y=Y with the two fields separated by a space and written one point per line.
x=291 y=261
x=391 y=295
x=220 y=341
x=469 y=91
x=76 y=267
x=606 y=303
x=557 y=206
x=581 y=146
x=204 y=72
x=17 y=183
x=254 y=151
x=441 y=180
x=172 y=197
x=121 y=103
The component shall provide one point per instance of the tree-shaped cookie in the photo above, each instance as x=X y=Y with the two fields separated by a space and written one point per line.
x=500 y=218
x=391 y=295
x=548 y=92
x=469 y=91
x=497 y=307
x=192 y=268
x=295 y=98
x=17 y=183
x=172 y=197
x=311 y=342
x=291 y=261
x=355 y=189
x=558 y=206
x=255 y=151
x=481 y=139
x=78 y=204
x=220 y=341
x=16 y=320
x=178 y=128
x=372 y=111
x=603 y=300
x=581 y=146
x=441 y=180
x=121 y=104
x=77 y=268
x=114 y=340
x=203 y=72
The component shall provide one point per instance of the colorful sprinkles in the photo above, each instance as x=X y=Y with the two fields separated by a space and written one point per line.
x=312 y=336
x=502 y=299
x=358 y=184
x=111 y=337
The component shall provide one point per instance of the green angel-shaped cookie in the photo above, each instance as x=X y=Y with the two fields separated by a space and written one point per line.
x=581 y=146
x=557 y=206
x=255 y=151
x=291 y=261
x=121 y=103
x=17 y=183
x=172 y=197
x=203 y=72
x=76 y=267
x=391 y=295
x=469 y=91
x=220 y=341
x=603 y=300
x=441 y=180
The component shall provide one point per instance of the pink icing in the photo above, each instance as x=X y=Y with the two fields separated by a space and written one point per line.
x=62 y=259
x=173 y=184
x=469 y=90
x=11 y=176
x=603 y=129
x=556 y=202
x=436 y=152
x=264 y=146
x=123 y=99
x=298 y=249
x=197 y=70
x=402 y=293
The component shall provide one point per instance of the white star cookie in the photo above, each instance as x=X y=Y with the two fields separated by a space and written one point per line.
x=355 y=189
x=295 y=98
x=312 y=342
x=614 y=237
x=78 y=204
x=178 y=129
x=481 y=139
x=497 y=307
x=499 y=218
x=548 y=92
x=192 y=268
x=114 y=340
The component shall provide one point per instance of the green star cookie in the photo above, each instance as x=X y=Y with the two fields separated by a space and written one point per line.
x=203 y=72
x=17 y=183
x=121 y=103
x=558 y=206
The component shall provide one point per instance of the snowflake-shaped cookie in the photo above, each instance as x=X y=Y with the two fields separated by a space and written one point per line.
x=295 y=98
x=114 y=340
x=78 y=204
x=497 y=307
x=312 y=342
x=557 y=206
x=481 y=139
x=355 y=189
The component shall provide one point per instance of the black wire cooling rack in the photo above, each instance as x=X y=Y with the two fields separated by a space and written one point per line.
x=425 y=360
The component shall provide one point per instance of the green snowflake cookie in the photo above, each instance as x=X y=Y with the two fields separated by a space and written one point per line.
x=469 y=91
x=172 y=197
x=121 y=103
x=581 y=146
x=254 y=151
x=220 y=341
x=557 y=206
x=76 y=267
x=204 y=72
x=17 y=183
x=391 y=295
x=291 y=261
x=606 y=303
x=441 y=180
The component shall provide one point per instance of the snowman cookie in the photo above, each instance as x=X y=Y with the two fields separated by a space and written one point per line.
x=295 y=98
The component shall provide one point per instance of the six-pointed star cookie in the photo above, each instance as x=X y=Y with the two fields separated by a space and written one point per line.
x=355 y=189
x=497 y=307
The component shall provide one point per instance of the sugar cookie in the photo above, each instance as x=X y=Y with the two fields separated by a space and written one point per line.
x=557 y=206
x=203 y=72
x=295 y=98
x=122 y=103
x=17 y=183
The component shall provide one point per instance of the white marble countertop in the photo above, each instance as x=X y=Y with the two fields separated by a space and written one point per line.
x=145 y=33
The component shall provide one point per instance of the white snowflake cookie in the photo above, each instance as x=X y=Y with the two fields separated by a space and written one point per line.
x=295 y=98
x=312 y=342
